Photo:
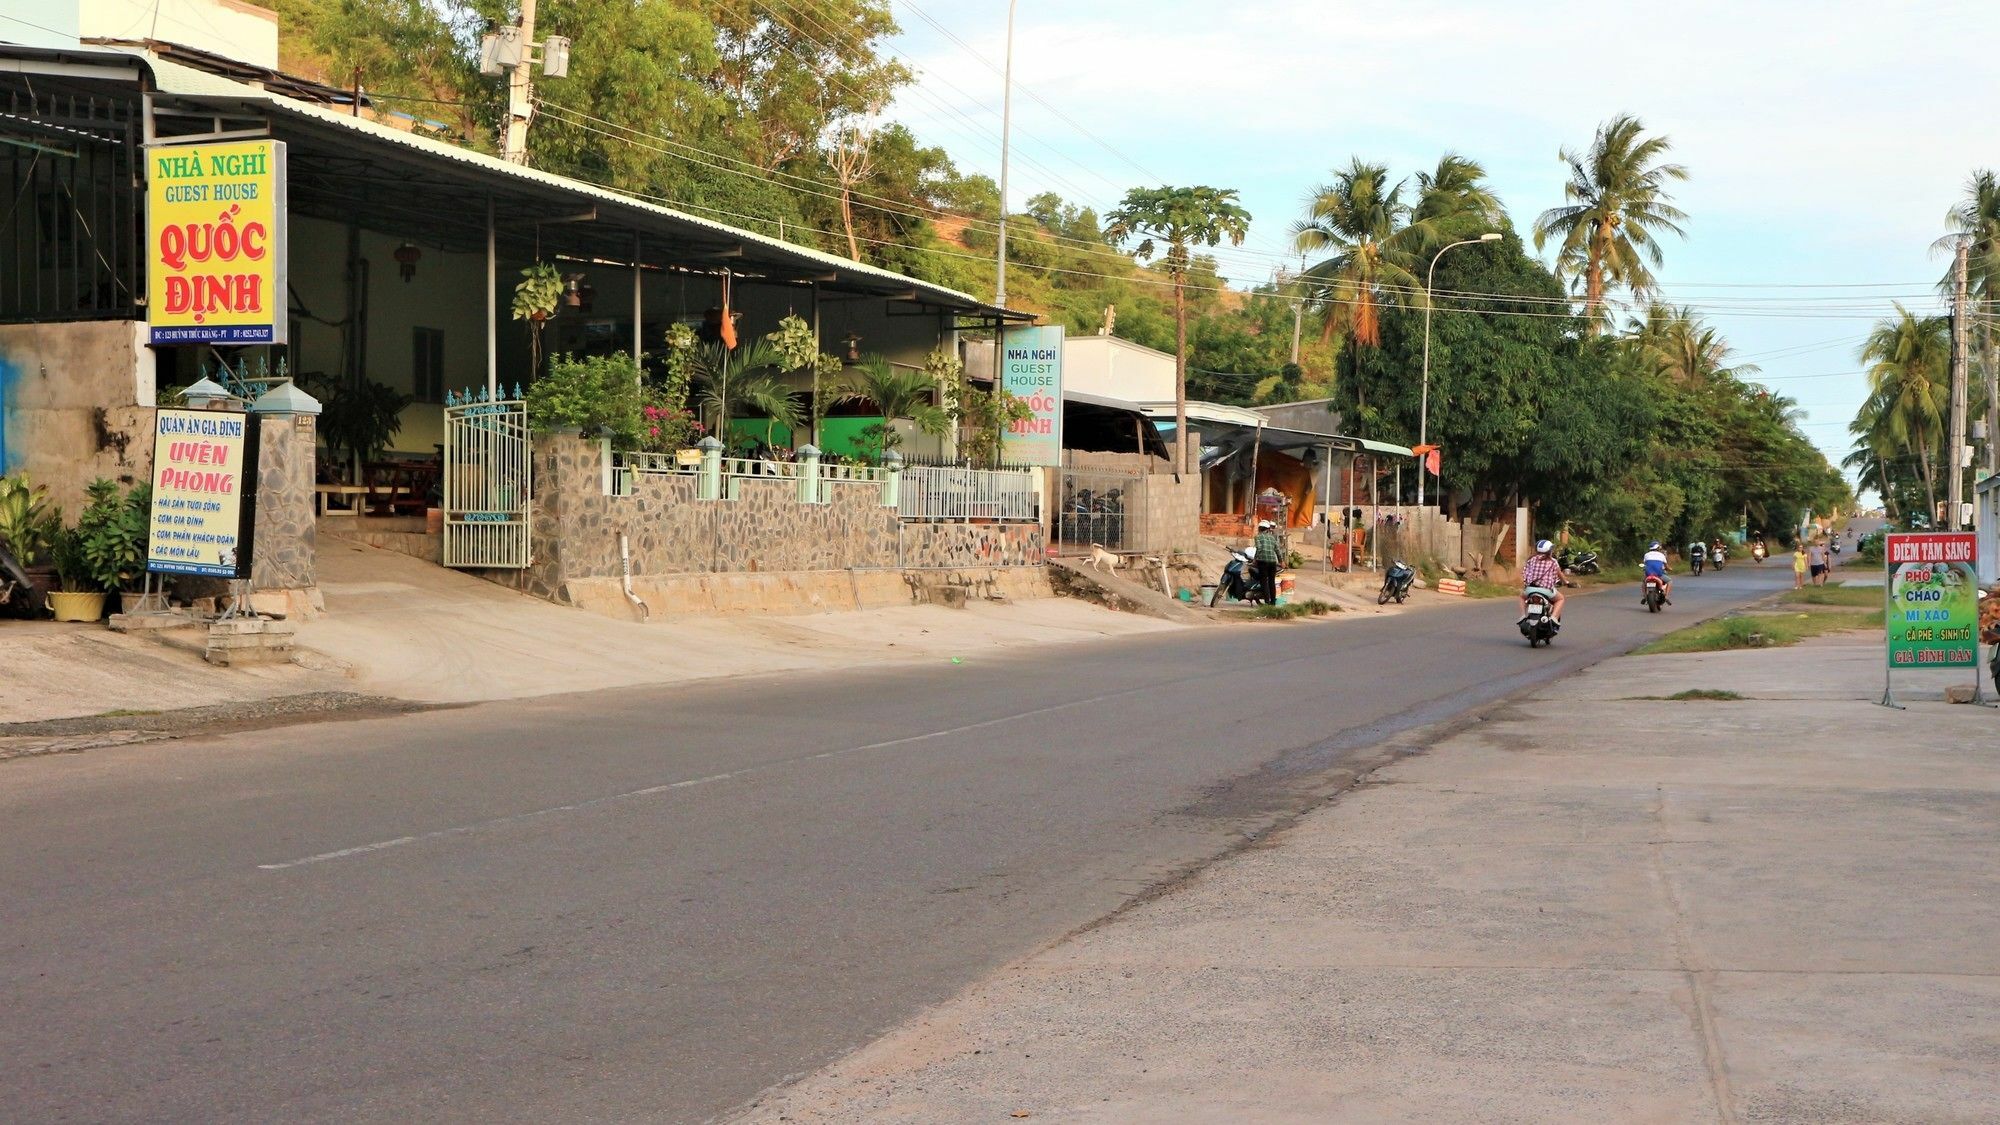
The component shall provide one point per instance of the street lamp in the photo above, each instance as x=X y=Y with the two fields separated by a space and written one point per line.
x=1424 y=416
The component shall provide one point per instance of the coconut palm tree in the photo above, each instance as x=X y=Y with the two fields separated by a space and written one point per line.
x=748 y=380
x=1873 y=449
x=1977 y=217
x=1364 y=221
x=1678 y=346
x=1454 y=202
x=1181 y=218
x=1909 y=371
x=1618 y=207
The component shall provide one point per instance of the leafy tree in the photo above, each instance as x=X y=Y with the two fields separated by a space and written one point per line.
x=1909 y=376
x=1181 y=218
x=1618 y=206
x=1363 y=220
x=898 y=392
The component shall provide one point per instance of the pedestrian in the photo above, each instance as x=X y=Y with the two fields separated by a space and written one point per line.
x=1818 y=559
x=1268 y=550
x=1799 y=567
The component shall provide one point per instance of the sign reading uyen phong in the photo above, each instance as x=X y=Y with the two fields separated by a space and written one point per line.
x=215 y=220
x=204 y=493
x=1031 y=370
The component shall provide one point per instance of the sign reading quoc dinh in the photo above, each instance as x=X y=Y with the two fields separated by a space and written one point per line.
x=204 y=493
x=215 y=221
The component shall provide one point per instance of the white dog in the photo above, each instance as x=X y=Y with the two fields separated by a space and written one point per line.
x=1104 y=560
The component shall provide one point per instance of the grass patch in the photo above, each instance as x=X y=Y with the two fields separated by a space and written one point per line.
x=1481 y=588
x=1774 y=631
x=1710 y=694
x=121 y=713
x=1294 y=610
x=1860 y=597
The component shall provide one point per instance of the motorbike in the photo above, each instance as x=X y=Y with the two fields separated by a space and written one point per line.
x=1656 y=594
x=1538 y=626
x=1717 y=555
x=1758 y=552
x=1697 y=560
x=1583 y=562
x=1239 y=581
x=1396 y=583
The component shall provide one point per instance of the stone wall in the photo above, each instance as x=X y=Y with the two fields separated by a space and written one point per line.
x=762 y=529
x=285 y=535
x=76 y=404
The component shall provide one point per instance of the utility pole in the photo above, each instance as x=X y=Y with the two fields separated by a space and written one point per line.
x=1992 y=389
x=1006 y=129
x=1298 y=321
x=521 y=92
x=1960 y=375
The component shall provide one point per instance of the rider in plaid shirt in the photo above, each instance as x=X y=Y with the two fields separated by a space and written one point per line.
x=1543 y=572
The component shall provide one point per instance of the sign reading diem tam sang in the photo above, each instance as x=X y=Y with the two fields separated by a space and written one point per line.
x=204 y=493
x=215 y=221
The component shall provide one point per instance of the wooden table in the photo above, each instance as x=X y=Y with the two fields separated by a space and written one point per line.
x=348 y=494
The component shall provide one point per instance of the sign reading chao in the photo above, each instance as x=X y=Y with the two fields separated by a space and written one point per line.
x=1933 y=611
x=1031 y=370
x=204 y=493
x=215 y=218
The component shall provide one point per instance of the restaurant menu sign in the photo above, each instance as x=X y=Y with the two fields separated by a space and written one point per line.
x=215 y=222
x=204 y=493
x=1031 y=370
x=1933 y=612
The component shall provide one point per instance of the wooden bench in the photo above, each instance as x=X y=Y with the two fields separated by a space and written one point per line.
x=349 y=496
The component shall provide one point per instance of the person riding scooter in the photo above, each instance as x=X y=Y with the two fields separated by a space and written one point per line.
x=1543 y=574
x=1656 y=567
x=1697 y=556
x=1718 y=554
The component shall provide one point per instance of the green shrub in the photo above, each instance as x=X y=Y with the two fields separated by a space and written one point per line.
x=598 y=394
x=111 y=534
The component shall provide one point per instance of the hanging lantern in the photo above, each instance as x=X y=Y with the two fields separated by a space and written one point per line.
x=407 y=256
x=853 y=348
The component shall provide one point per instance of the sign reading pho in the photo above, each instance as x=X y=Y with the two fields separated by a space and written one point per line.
x=215 y=219
x=1031 y=370
x=204 y=493
x=1933 y=612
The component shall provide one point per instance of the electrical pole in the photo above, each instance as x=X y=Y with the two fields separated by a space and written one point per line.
x=521 y=92
x=1960 y=375
x=1992 y=389
x=1006 y=128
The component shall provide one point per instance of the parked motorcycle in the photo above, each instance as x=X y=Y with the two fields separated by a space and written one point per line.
x=1539 y=627
x=1239 y=581
x=1575 y=562
x=1656 y=594
x=1396 y=583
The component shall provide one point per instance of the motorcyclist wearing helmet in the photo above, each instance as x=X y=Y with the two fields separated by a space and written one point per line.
x=1656 y=567
x=1542 y=572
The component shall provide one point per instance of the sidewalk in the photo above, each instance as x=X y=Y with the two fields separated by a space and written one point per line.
x=1587 y=906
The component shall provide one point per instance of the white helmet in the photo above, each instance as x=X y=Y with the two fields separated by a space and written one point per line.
x=1264 y=525
x=1543 y=547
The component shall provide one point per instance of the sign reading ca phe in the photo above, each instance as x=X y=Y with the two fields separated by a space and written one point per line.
x=204 y=493
x=215 y=222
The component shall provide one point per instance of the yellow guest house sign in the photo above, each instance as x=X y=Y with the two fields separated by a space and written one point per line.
x=215 y=220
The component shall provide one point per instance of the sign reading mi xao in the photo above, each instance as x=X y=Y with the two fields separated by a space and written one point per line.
x=215 y=221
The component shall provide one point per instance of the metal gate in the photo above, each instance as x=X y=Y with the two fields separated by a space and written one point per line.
x=488 y=482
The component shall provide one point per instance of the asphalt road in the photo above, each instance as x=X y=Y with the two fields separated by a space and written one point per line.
x=654 y=903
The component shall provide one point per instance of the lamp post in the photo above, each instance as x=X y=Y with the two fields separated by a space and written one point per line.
x=1424 y=414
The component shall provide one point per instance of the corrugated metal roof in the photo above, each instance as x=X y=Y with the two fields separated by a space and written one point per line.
x=187 y=82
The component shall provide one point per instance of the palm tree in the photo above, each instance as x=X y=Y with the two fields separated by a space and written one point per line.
x=1181 y=218
x=1977 y=217
x=747 y=380
x=1678 y=346
x=898 y=392
x=1909 y=371
x=1454 y=202
x=1363 y=219
x=1873 y=449
x=1618 y=205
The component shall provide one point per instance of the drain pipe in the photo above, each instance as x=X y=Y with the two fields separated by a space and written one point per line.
x=625 y=568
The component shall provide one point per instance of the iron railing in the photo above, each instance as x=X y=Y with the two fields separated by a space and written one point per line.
x=70 y=216
x=970 y=494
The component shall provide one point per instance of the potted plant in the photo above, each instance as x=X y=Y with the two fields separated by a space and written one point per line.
x=535 y=298
x=28 y=527
x=112 y=533
x=595 y=396
x=358 y=422
x=76 y=597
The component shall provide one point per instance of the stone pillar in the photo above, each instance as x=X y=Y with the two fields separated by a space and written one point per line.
x=710 y=486
x=809 y=474
x=892 y=480
x=283 y=574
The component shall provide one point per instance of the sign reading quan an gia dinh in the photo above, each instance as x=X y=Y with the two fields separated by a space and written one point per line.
x=1031 y=370
x=204 y=493
x=1933 y=613
x=215 y=219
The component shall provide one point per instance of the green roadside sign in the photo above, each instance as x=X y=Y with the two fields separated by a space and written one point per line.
x=1933 y=610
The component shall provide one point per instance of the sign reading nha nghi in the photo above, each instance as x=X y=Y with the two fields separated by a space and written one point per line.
x=215 y=217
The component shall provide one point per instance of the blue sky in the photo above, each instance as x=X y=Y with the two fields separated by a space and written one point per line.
x=1825 y=140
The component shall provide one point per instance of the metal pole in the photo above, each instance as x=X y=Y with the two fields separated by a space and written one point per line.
x=816 y=408
x=1375 y=527
x=1992 y=389
x=521 y=92
x=492 y=309
x=1424 y=411
x=1960 y=376
x=1006 y=131
x=1298 y=322
x=638 y=311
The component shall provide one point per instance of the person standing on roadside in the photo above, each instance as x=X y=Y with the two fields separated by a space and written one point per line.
x=1267 y=551
x=1817 y=560
x=1799 y=567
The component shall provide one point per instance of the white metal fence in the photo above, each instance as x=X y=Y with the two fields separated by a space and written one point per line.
x=969 y=494
x=488 y=483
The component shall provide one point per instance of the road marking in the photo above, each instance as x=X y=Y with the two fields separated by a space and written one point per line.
x=690 y=783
